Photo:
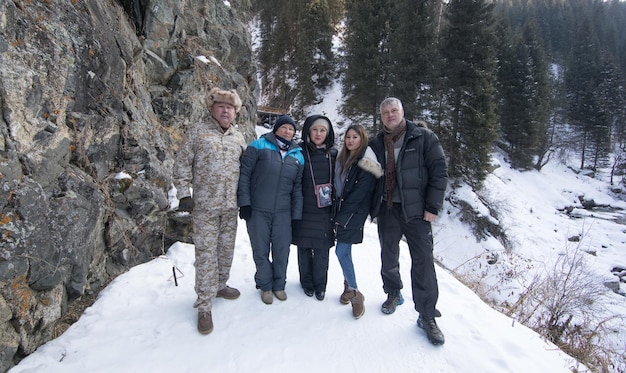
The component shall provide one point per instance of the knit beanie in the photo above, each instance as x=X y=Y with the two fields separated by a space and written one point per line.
x=229 y=97
x=320 y=122
x=284 y=119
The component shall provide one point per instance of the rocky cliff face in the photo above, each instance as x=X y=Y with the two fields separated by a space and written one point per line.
x=95 y=96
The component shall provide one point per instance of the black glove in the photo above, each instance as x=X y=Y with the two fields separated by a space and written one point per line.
x=185 y=204
x=245 y=212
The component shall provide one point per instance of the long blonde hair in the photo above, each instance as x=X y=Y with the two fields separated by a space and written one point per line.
x=347 y=158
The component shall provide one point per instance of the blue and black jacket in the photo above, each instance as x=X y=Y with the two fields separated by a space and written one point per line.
x=269 y=181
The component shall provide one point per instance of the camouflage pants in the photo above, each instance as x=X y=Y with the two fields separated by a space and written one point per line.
x=214 y=238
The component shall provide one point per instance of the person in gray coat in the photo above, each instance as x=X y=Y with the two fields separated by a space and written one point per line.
x=270 y=197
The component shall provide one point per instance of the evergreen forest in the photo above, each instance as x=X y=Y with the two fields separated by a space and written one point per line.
x=536 y=78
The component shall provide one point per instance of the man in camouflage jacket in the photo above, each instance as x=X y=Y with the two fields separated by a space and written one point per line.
x=208 y=164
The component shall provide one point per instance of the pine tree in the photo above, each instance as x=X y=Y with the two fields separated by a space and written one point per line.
x=295 y=55
x=365 y=82
x=541 y=93
x=613 y=91
x=515 y=103
x=469 y=87
x=612 y=99
x=412 y=52
x=278 y=21
x=525 y=97
x=584 y=106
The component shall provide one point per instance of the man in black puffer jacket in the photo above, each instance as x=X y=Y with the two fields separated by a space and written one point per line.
x=406 y=202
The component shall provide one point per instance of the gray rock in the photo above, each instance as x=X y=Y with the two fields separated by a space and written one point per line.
x=83 y=98
x=9 y=339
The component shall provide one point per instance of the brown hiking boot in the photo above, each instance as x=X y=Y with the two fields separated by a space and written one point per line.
x=228 y=293
x=267 y=297
x=346 y=295
x=205 y=322
x=358 y=304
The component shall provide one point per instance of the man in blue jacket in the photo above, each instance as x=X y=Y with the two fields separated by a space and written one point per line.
x=407 y=201
x=269 y=198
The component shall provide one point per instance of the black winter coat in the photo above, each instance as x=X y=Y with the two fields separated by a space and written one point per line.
x=315 y=229
x=353 y=205
x=422 y=173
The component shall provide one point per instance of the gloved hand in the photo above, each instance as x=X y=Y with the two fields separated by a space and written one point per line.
x=245 y=212
x=186 y=204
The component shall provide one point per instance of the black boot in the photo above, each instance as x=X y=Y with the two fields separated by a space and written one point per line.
x=394 y=299
x=434 y=334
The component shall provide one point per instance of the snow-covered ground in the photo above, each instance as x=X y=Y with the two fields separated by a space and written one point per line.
x=143 y=322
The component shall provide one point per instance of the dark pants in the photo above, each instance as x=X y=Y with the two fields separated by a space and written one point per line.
x=313 y=265
x=418 y=234
x=270 y=233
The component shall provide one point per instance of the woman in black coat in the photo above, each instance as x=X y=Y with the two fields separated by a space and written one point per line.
x=356 y=171
x=314 y=234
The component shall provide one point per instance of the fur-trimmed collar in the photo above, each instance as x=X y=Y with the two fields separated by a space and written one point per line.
x=370 y=164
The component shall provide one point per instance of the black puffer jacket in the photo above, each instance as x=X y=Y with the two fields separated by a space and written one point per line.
x=422 y=173
x=353 y=205
x=315 y=230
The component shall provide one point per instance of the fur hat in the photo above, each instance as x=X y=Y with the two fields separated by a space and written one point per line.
x=219 y=95
x=284 y=119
